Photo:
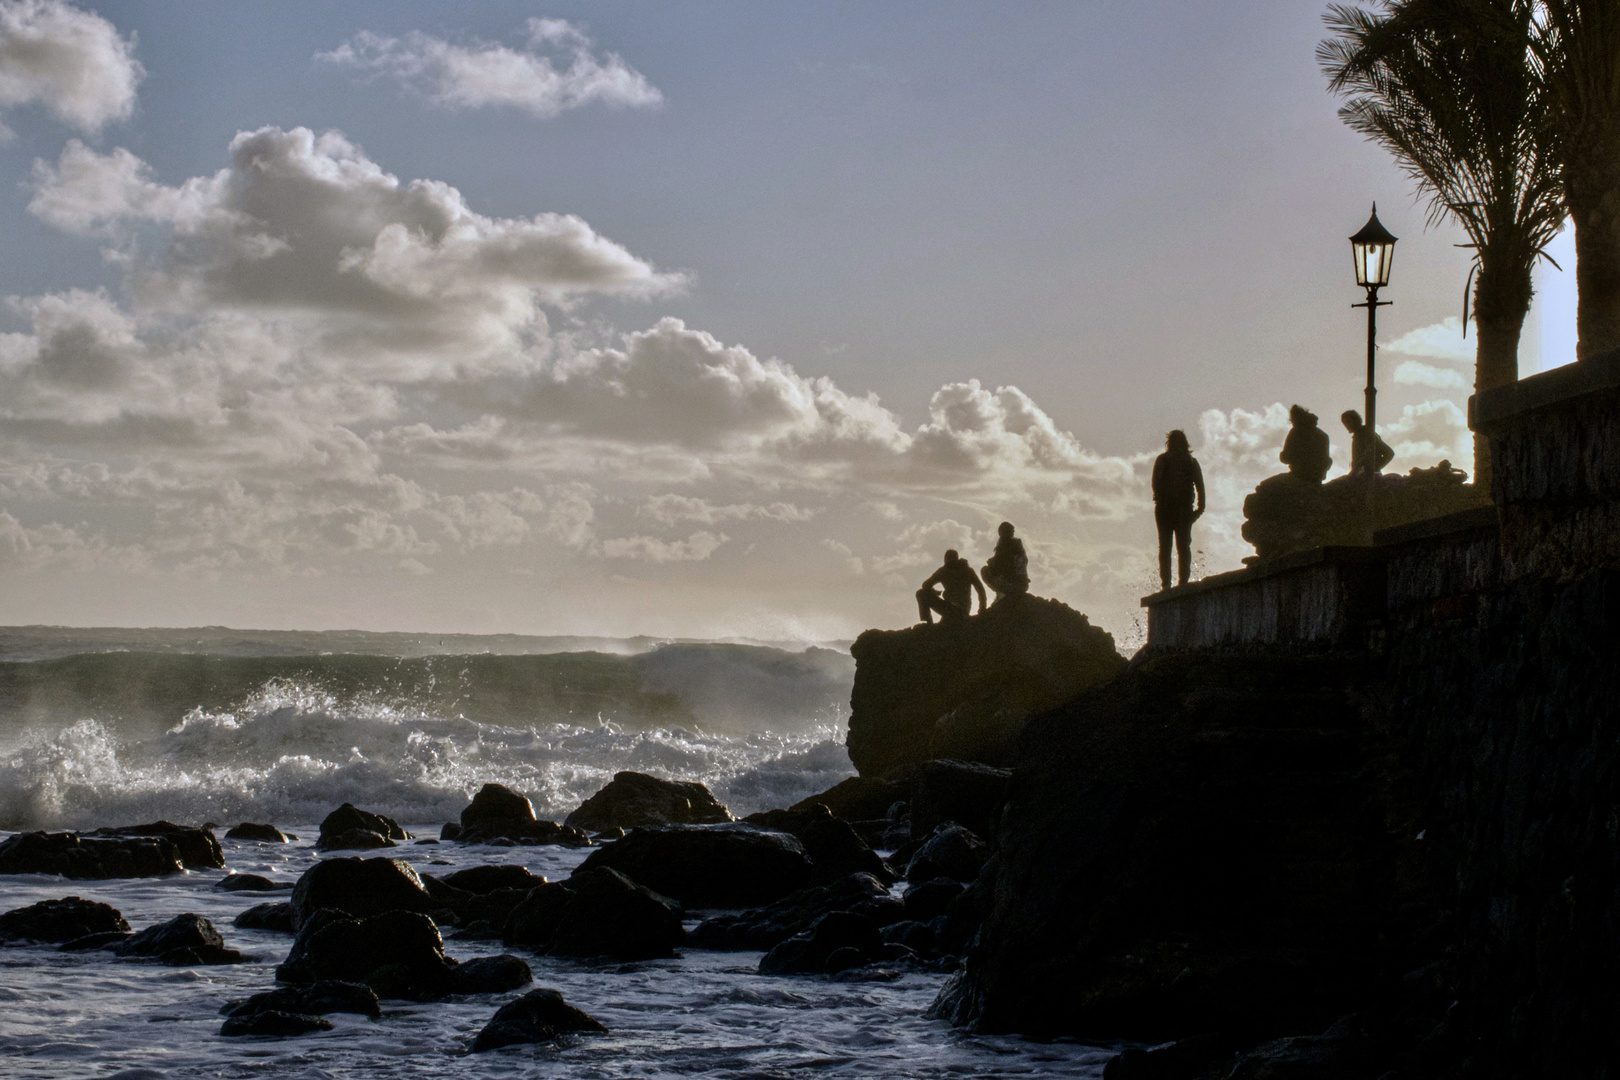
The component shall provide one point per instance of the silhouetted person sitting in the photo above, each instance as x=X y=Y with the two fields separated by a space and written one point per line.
x=1007 y=572
x=1362 y=439
x=1176 y=480
x=1305 y=451
x=957 y=578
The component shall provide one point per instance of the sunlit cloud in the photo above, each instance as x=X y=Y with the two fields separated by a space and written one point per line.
x=71 y=61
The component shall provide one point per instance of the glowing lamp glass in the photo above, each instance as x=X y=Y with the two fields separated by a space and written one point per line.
x=1374 y=250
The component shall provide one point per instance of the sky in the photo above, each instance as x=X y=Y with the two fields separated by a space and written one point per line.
x=695 y=319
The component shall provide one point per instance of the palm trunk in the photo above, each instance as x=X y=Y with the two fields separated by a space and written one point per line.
x=1501 y=301
x=1592 y=188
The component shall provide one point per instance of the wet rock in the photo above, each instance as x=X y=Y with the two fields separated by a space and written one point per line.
x=106 y=939
x=277 y=917
x=932 y=898
x=536 y=1017
x=274 y=1022
x=949 y=852
x=54 y=921
x=766 y=927
x=710 y=866
x=360 y=887
x=73 y=856
x=182 y=941
x=348 y=827
x=264 y=834
x=597 y=912
x=317 y=998
x=489 y=975
x=833 y=846
x=451 y=831
x=633 y=800
x=496 y=803
x=487 y=879
x=917 y=937
x=833 y=943
x=399 y=954
x=859 y=798
x=250 y=883
x=966 y=792
x=511 y=833
x=199 y=850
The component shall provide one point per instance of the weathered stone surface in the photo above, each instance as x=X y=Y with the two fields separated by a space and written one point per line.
x=512 y=831
x=274 y=1022
x=317 y=998
x=496 y=802
x=967 y=792
x=199 y=850
x=348 y=827
x=487 y=879
x=538 y=1016
x=360 y=887
x=950 y=851
x=60 y=920
x=834 y=942
x=965 y=689
x=832 y=844
x=763 y=928
x=710 y=865
x=183 y=941
x=251 y=883
x=632 y=800
x=596 y=912
x=264 y=834
x=932 y=898
x=490 y=975
x=1285 y=514
x=399 y=954
x=276 y=917
x=859 y=798
x=73 y=856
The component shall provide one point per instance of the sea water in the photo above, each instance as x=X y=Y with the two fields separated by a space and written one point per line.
x=118 y=727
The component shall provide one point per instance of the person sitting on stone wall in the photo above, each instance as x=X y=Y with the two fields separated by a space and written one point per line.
x=1305 y=451
x=957 y=577
x=1007 y=572
x=1362 y=439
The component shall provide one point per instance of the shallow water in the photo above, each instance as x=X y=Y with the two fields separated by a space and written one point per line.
x=705 y=1014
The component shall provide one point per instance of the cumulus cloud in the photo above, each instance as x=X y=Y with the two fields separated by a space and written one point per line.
x=670 y=509
x=1427 y=432
x=557 y=70
x=1443 y=340
x=71 y=61
x=695 y=548
x=1417 y=373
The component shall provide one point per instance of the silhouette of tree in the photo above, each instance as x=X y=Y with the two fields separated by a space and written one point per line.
x=1577 y=59
x=1452 y=88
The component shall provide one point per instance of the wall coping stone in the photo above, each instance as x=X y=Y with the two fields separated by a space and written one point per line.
x=1598 y=373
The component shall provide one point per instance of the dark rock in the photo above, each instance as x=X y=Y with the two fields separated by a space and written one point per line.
x=949 y=852
x=360 y=887
x=1188 y=1059
x=399 y=954
x=833 y=846
x=632 y=800
x=843 y=959
x=965 y=689
x=486 y=879
x=105 y=939
x=451 y=831
x=183 y=940
x=73 y=856
x=199 y=850
x=489 y=975
x=868 y=973
x=596 y=912
x=278 y=917
x=1285 y=514
x=710 y=866
x=264 y=834
x=764 y=928
x=60 y=920
x=317 y=998
x=966 y=792
x=274 y=1022
x=853 y=938
x=858 y=798
x=496 y=803
x=932 y=898
x=536 y=1017
x=347 y=827
x=511 y=833
x=250 y=883
x=918 y=937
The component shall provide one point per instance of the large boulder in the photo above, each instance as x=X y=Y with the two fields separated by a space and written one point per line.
x=859 y=798
x=316 y=998
x=833 y=846
x=487 y=879
x=198 y=848
x=965 y=689
x=60 y=920
x=536 y=1017
x=183 y=941
x=274 y=1023
x=360 y=887
x=496 y=802
x=81 y=858
x=851 y=938
x=349 y=827
x=632 y=800
x=949 y=852
x=273 y=917
x=760 y=929
x=596 y=912
x=260 y=833
x=722 y=866
x=966 y=792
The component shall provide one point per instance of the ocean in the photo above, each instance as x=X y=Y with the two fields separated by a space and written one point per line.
x=111 y=727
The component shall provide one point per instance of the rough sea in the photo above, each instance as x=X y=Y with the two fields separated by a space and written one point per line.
x=113 y=727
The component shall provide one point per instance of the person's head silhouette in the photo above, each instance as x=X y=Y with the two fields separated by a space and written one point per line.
x=1176 y=442
x=951 y=555
x=1351 y=420
x=1006 y=530
x=1300 y=416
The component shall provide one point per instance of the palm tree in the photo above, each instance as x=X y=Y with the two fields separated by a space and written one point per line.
x=1449 y=87
x=1577 y=52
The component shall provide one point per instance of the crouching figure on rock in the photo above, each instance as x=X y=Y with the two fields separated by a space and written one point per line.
x=1007 y=572
x=957 y=577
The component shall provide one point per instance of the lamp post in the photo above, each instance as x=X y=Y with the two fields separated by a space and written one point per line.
x=1373 y=249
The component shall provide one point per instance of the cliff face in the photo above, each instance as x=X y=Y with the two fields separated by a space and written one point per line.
x=965 y=689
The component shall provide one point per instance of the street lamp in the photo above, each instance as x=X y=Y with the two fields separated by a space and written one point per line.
x=1373 y=249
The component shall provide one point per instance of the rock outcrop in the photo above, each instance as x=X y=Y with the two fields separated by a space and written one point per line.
x=260 y=833
x=359 y=887
x=349 y=827
x=183 y=941
x=398 y=954
x=721 y=866
x=198 y=848
x=965 y=689
x=834 y=847
x=764 y=928
x=632 y=800
x=596 y=912
x=55 y=921
x=84 y=858
x=536 y=1017
x=1285 y=514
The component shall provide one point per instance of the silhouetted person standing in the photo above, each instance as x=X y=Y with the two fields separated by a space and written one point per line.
x=1007 y=572
x=1305 y=451
x=1362 y=440
x=1177 y=479
x=957 y=578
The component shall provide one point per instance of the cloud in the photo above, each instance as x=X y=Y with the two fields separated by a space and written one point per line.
x=1417 y=373
x=695 y=548
x=558 y=70
x=1439 y=341
x=1427 y=432
x=670 y=509
x=71 y=61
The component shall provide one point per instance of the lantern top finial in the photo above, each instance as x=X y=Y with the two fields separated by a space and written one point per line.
x=1373 y=232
